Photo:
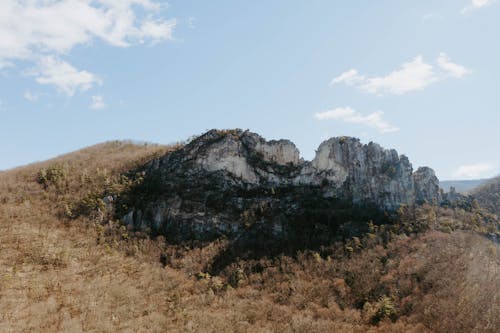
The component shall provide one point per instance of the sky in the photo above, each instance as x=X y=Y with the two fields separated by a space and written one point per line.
x=422 y=77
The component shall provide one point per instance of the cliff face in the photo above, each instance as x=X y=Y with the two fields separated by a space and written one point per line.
x=363 y=173
x=226 y=181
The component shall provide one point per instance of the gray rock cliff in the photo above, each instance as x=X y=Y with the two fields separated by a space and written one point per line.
x=224 y=182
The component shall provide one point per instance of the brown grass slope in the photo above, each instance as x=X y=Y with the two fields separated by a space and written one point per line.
x=488 y=195
x=62 y=271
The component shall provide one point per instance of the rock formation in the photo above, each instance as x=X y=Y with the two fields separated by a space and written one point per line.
x=224 y=182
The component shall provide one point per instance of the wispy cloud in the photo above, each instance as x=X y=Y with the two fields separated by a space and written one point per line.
x=48 y=29
x=454 y=70
x=476 y=4
x=97 y=103
x=349 y=115
x=350 y=78
x=31 y=96
x=411 y=76
x=473 y=170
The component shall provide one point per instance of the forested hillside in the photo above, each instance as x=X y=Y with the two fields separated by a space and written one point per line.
x=66 y=265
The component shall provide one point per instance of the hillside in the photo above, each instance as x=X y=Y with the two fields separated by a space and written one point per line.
x=68 y=263
x=488 y=195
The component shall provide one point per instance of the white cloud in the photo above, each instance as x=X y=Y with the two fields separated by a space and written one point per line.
x=411 y=76
x=473 y=170
x=33 y=29
x=29 y=27
x=2 y=107
x=156 y=31
x=476 y=4
x=455 y=70
x=66 y=78
x=481 y=3
x=348 y=115
x=97 y=103
x=30 y=96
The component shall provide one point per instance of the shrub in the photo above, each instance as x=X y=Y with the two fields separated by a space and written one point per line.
x=91 y=205
x=385 y=310
x=53 y=175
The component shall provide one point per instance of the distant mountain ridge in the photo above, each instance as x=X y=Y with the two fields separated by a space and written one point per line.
x=462 y=186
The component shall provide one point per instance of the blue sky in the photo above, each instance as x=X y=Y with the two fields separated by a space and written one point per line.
x=422 y=77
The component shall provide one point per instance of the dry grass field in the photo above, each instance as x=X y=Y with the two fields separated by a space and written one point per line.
x=86 y=274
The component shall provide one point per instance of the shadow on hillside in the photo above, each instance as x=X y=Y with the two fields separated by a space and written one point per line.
x=317 y=226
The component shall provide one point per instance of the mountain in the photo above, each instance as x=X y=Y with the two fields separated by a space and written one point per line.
x=462 y=186
x=344 y=261
x=224 y=181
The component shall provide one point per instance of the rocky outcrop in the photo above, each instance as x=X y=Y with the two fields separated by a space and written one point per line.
x=234 y=151
x=426 y=186
x=362 y=173
x=224 y=182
